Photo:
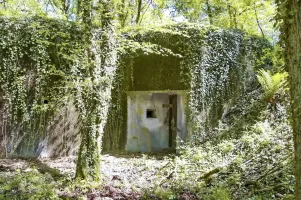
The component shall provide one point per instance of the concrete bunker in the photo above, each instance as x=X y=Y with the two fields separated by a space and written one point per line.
x=156 y=120
x=197 y=71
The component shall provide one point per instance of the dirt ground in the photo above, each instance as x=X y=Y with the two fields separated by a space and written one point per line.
x=134 y=172
x=123 y=176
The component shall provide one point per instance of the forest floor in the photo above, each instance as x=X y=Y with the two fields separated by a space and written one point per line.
x=124 y=176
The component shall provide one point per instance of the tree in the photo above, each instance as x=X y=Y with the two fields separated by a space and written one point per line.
x=95 y=88
x=22 y=7
x=135 y=12
x=289 y=12
x=139 y=7
x=252 y=16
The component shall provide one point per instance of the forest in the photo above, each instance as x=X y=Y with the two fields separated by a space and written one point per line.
x=150 y=99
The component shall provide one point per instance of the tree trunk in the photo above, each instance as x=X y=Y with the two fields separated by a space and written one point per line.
x=209 y=12
x=257 y=20
x=123 y=13
x=88 y=161
x=94 y=97
x=230 y=16
x=66 y=6
x=139 y=8
x=78 y=10
x=291 y=34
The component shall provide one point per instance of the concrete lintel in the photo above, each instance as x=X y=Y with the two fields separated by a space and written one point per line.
x=182 y=92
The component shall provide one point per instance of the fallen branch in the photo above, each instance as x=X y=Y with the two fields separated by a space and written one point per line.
x=4 y=168
x=274 y=169
x=43 y=168
x=271 y=188
x=210 y=173
x=167 y=178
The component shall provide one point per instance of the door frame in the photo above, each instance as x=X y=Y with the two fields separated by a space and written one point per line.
x=177 y=97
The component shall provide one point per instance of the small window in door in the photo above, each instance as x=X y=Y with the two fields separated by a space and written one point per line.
x=150 y=113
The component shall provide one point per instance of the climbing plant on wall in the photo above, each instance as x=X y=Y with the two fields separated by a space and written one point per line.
x=63 y=66
x=37 y=55
x=45 y=66
x=94 y=91
x=217 y=66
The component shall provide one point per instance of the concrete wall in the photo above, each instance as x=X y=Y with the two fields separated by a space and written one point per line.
x=62 y=136
x=152 y=134
x=59 y=138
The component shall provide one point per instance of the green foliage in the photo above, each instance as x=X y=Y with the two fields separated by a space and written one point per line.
x=27 y=185
x=214 y=65
x=37 y=56
x=47 y=59
x=274 y=58
x=252 y=16
x=220 y=193
x=21 y=8
x=165 y=194
x=221 y=75
x=255 y=164
x=272 y=83
x=44 y=58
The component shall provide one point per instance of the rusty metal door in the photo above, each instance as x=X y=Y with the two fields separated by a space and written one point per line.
x=172 y=120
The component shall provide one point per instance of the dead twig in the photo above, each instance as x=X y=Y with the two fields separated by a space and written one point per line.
x=210 y=173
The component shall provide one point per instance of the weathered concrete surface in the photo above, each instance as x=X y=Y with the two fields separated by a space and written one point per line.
x=152 y=134
x=59 y=139
x=62 y=136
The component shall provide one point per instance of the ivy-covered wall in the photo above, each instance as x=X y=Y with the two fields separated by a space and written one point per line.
x=43 y=60
x=39 y=58
x=223 y=72
x=156 y=72
x=217 y=66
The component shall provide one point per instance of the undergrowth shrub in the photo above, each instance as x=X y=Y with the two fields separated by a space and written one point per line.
x=220 y=193
x=255 y=165
x=271 y=83
x=28 y=185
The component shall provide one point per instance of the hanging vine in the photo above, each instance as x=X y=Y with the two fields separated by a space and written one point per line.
x=217 y=67
x=94 y=92
x=36 y=57
x=46 y=61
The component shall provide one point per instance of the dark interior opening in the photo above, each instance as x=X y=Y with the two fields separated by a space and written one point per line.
x=45 y=101
x=150 y=113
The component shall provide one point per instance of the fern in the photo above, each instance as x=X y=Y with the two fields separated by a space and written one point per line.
x=271 y=83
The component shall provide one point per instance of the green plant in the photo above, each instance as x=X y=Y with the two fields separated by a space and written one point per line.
x=165 y=194
x=28 y=185
x=255 y=198
x=271 y=83
x=220 y=193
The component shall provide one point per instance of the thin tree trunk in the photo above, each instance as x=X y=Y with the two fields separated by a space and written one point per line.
x=78 y=10
x=291 y=34
x=145 y=9
x=123 y=13
x=235 y=18
x=139 y=7
x=257 y=20
x=230 y=16
x=209 y=12
x=66 y=6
